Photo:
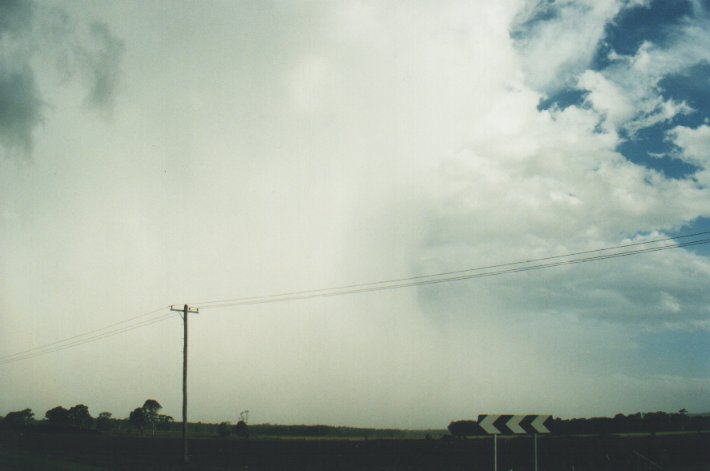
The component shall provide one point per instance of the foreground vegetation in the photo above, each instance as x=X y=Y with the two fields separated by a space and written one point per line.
x=73 y=450
x=70 y=438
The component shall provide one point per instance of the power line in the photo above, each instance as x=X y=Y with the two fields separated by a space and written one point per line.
x=419 y=280
x=24 y=352
x=295 y=297
x=82 y=338
x=457 y=275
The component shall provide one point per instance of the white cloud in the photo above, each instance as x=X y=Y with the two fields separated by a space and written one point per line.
x=670 y=303
x=632 y=82
x=694 y=144
x=607 y=98
x=557 y=48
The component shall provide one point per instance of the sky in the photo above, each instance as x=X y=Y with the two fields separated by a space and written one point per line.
x=156 y=153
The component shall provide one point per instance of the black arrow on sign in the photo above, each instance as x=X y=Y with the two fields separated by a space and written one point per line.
x=514 y=424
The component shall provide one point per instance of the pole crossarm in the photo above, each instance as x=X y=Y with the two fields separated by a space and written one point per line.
x=193 y=310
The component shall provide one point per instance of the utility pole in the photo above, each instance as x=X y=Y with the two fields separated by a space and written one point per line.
x=185 y=309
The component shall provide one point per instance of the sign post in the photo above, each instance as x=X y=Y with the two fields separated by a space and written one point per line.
x=513 y=425
x=535 y=437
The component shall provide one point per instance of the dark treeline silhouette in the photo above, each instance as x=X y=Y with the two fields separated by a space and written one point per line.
x=17 y=419
x=639 y=422
x=649 y=422
x=78 y=419
x=241 y=430
x=74 y=418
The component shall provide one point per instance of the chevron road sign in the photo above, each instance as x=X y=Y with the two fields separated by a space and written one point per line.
x=513 y=424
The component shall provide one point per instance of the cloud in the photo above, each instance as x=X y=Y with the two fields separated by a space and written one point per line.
x=526 y=183
x=102 y=65
x=558 y=40
x=20 y=103
x=20 y=111
x=15 y=16
x=558 y=43
x=694 y=145
x=606 y=97
x=638 y=76
x=35 y=33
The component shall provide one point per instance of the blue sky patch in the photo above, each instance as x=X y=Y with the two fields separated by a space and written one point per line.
x=692 y=87
x=650 y=148
x=701 y=224
x=563 y=99
x=636 y=25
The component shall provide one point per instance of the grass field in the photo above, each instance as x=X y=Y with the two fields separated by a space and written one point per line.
x=47 y=451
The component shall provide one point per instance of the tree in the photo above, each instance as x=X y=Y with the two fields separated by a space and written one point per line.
x=79 y=417
x=148 y=415
x=241 y=430
x=18 y=419
x=462 y=428
x=104 y=422
x=151 y=407
x=223 y=429
x=138 y=419
x=165 y=422
x=57 y=417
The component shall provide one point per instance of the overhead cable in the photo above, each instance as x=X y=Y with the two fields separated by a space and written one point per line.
x=86 y=337
x=459 y=275
x=152 y=317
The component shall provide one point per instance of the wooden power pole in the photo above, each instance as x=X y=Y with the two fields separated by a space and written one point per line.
x=185 y=309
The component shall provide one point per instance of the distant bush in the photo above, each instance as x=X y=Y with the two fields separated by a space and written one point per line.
x=463 y=428
x=104 y=423
x=224 y=429
x=241 y=430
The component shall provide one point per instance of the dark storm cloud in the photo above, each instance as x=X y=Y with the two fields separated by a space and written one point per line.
x=20 y=101
x=20 y=110
x=29 y=35
x=15 y=16
x=103 y=66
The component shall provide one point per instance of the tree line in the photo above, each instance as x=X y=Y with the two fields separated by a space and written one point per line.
x=640 y=422
x=78 y=419
x=148 y=418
